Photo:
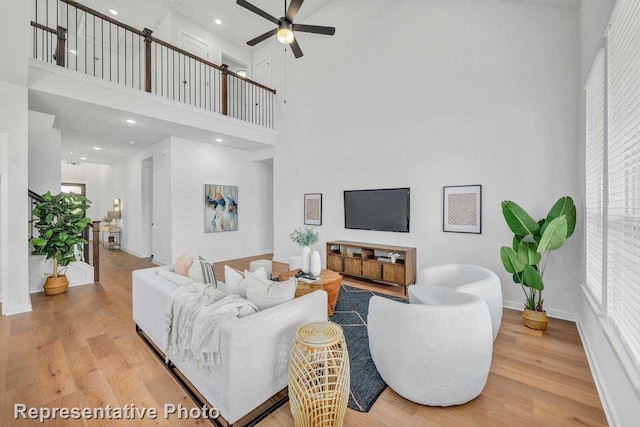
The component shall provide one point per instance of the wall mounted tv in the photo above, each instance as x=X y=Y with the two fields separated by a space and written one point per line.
x=380 y=210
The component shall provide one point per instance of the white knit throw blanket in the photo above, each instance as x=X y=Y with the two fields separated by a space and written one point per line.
x=194 y=316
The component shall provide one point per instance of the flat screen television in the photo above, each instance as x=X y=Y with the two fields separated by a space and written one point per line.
x=379 y=210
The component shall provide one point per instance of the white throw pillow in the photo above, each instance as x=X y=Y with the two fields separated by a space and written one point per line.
x=175 y=278
x=236 y=282
x=264 y=293
x=202 y=271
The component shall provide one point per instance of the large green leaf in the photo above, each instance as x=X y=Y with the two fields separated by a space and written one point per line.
x=532 y=278
x=528 y=254
x=518 y=220
x=564 y=206
x=554 y=235
x=516 y=242
x=510 y=260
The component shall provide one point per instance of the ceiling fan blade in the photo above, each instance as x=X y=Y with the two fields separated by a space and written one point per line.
x=293 y=9
x=262 y=37
x=295 y=48
x=329 y=31
x=257 y=11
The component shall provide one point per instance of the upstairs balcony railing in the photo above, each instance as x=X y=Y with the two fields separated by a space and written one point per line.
x=76 y=37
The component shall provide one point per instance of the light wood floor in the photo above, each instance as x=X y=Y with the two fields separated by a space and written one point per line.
x=81 y=349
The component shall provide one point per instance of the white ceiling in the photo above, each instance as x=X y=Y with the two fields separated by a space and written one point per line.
x=238 y=24
x=84 y=126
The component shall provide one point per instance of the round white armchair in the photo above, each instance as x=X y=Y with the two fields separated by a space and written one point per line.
x=470 y=279
x=437 y=353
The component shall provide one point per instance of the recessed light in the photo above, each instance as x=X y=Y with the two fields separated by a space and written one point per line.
x=130 y=121
x=113 y=11
x=219 y=139
x=72 y=51
x=217 y=21
x=132 y=143
x=97 y=148
x=83 y=158
x=70 y=152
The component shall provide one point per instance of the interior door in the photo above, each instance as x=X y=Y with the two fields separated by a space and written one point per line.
x=195 y=80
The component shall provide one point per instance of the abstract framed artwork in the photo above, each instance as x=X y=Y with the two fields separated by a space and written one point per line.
x=220 y=208
x=462 y=209
x=313 y=209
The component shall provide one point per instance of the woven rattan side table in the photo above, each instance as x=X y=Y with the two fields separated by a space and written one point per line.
x=319 y=375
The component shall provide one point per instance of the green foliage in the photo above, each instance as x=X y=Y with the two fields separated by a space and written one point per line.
x=532 y=242
x=60 y=221
x=305 y=236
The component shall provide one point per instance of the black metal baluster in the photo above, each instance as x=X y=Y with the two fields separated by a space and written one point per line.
x=46 y=18
x=118 y=53
x=190 y=79
x=94 y=45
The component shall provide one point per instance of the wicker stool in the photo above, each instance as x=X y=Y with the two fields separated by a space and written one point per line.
x=319 y=375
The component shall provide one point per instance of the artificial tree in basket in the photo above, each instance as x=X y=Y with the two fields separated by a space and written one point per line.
x=60 y=221
x=527 y=258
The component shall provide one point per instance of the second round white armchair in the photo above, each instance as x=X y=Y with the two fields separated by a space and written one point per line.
x=470 y=279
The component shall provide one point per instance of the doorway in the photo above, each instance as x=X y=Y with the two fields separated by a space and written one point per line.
x=147 y=204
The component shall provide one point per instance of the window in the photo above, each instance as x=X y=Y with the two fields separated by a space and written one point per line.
x=68 y=187
x=613 y=177
x=594 y=171
x=623 y=230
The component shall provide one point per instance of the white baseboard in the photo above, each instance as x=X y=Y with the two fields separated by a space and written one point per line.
x=158 y=263
x=597 y=377
x=556 y=314
x=130 y=252
x=24 y=308
x=285 y=261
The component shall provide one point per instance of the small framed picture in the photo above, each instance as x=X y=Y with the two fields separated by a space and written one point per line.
x=462 y=209
x=313 y=209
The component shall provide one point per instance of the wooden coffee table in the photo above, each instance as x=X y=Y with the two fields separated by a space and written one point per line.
x=329 y=281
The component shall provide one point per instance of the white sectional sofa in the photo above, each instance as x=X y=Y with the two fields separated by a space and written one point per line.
x=254 y=349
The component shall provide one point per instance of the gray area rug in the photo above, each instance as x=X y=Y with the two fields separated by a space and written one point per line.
x=351 y=313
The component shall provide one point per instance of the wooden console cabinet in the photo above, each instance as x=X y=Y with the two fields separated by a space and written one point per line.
x=365 y=261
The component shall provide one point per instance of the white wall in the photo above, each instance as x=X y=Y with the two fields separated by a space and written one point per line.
x=460 y=92
x=195 y=164
x=127 y=177
x=100 y=187
x=217 y=46
x=14 y=249
x=621 y=399
x=44 y=153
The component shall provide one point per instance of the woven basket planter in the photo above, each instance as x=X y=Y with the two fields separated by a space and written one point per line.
x=56 y=285
x=319 y=376
x=535 y=319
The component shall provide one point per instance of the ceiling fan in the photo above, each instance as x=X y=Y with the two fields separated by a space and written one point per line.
x=286 y=28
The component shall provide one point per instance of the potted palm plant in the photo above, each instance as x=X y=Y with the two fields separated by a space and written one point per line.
x=60 y=221
x=527 y=258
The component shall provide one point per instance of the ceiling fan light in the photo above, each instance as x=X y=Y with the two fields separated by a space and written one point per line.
x=285 y=35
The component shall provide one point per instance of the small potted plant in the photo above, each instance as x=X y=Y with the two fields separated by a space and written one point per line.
x=305 y=237
x=60 y=221
x=527 y=258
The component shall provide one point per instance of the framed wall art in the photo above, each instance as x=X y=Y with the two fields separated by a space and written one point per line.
x=462 y=209
x=220 y=208
x=313 y=209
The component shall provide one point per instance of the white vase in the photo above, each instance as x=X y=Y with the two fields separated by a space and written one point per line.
x=315 y=266
x=306 y=254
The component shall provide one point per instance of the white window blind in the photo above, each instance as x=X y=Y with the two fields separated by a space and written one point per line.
x=623 y=230
x=594 y=171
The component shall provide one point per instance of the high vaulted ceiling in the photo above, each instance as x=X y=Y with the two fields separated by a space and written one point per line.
x=238 y=24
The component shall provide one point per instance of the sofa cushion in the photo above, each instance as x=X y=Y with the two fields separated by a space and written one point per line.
x=236 y=282
x=174 y=278
x=183 y=263
x=265 y=294
x=202 y=271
